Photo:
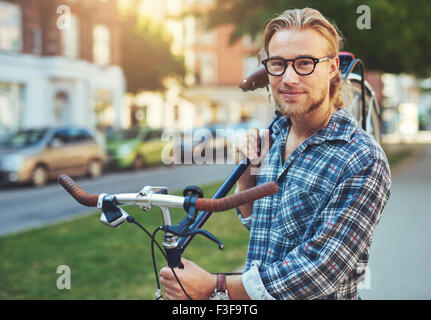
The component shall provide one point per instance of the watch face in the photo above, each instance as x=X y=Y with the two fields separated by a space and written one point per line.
x=220 y=295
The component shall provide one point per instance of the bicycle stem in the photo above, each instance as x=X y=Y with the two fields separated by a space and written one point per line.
x=170 y=241
x=158 y=196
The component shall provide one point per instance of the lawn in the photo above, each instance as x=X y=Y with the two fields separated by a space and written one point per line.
x=108 y=263
x=398 y=153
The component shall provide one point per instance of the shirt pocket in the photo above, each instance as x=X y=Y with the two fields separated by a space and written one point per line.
x=295 y=214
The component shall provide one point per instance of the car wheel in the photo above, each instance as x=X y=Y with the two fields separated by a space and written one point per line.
x=95 y=169
x=39 y=178
x=139 y=163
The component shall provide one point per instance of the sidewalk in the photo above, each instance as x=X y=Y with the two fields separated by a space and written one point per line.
x=400 y=255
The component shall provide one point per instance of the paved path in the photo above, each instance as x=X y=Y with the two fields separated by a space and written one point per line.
x=26 y=207
x=400 y=255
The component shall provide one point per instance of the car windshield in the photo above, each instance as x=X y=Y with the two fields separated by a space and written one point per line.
x=123 y=135
x=24 y=138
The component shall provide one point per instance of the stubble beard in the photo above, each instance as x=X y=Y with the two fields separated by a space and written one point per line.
x=308 y=106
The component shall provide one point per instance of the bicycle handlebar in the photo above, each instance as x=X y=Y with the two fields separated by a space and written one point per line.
x=236 y=200
x=210 y=205
x=84 y=198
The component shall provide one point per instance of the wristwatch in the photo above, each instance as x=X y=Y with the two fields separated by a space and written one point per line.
x=220 y=292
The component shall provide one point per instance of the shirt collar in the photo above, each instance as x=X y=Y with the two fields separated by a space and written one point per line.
x=341 y=126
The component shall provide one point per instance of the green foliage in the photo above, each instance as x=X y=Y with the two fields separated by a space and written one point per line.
x=146 y=55
x=399 y=39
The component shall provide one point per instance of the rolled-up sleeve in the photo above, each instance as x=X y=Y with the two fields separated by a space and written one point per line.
x=253 y=284
x=245 y=221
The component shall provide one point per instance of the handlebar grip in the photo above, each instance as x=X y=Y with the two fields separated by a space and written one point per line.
x=236 y=200
x=258 y=79
x=84 y=198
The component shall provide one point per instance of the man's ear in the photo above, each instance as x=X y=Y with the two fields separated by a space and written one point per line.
x=334 y=65
x=261 y=55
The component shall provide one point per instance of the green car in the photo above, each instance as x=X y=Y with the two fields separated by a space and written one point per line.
x=135 y=147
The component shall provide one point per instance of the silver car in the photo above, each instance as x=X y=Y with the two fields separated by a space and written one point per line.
x=38 y=155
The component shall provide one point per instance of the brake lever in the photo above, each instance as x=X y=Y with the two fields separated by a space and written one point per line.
x=183 y=228
x=208 y=235
x=184 y=232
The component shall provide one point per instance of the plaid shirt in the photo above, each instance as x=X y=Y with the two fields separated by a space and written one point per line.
x=311 y=240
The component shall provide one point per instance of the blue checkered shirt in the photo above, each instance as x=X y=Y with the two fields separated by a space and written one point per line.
x=311 y=240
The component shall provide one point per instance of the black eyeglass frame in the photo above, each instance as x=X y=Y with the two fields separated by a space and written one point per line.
x=315 y=61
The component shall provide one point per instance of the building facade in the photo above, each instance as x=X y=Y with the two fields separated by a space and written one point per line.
x=215 y=68
x=59 y=63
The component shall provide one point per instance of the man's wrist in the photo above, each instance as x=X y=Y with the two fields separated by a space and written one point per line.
x=220 y=290
x=244 y=185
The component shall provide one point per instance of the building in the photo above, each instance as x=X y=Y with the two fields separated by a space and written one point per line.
x=215 y=69
x=59 y=63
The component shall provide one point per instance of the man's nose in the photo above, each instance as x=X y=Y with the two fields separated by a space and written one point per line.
x=290 y=76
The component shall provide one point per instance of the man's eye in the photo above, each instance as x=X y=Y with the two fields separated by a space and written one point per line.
x=277 y=63
x=303 y=63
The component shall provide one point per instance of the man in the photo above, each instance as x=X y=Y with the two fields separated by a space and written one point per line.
x=311 y=239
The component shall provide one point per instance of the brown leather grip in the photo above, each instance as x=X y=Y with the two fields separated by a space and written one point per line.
x=258 y=79
x=236 y=200
x=89 y=200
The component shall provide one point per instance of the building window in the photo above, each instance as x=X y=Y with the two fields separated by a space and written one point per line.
x=203 y=35
x=11 y=105
x=101 y=44
x=251 y=63
x=37 y=40
x=206 y=68
x=70 y=39
x=61 y=107
x=10 y=27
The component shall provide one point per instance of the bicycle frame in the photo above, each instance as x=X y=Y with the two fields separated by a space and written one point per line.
x=352 y=66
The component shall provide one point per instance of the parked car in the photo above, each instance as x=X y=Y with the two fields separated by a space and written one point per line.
x=135 y=148
x=213 y=138
x=38 y=155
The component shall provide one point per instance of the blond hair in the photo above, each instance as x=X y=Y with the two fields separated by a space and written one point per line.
x=307 y=17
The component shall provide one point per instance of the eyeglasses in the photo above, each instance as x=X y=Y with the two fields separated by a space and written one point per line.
x=302 y=65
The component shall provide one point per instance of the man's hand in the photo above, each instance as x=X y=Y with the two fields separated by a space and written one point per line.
x=198 y=283
x=255 y=149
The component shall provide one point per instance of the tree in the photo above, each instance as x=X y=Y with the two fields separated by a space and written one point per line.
x=399 y=39
x=146 y=55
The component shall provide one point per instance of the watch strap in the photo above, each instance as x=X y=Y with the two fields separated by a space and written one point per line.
x=221 y=282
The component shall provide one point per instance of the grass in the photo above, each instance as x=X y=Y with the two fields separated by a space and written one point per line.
x=397 y=154
x=108 y=263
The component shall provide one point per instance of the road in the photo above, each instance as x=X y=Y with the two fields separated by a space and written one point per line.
x=400 y=255
x=26 y=207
